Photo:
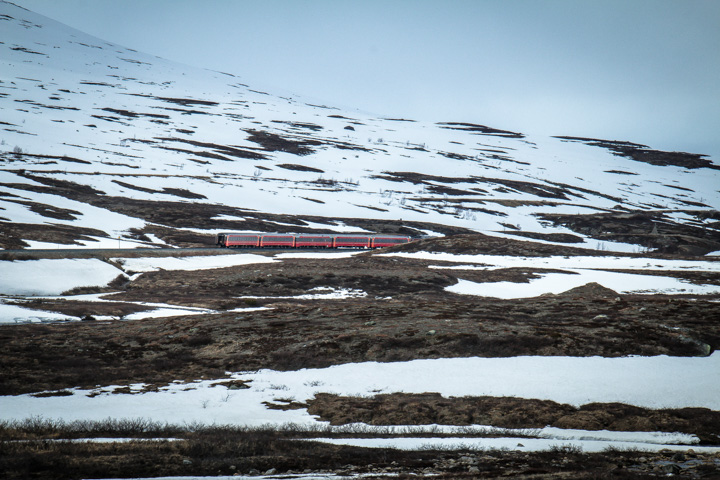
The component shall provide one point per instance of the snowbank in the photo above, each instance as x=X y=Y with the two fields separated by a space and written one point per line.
x=52 y=277
x=652 y=382
x=11 y=314
x=199 y=262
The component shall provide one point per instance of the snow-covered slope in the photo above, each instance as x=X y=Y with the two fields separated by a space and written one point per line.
x=130 y=131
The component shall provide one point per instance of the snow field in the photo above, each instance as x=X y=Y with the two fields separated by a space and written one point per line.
x=52 y=277
x=653 y=382
x=197 y=262
x=11 y=314
x=580 y=271
x=624 y=283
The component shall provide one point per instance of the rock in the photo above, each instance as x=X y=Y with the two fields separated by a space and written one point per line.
x=678 y=457
x=473 y=470
x=705 y=349
x=600 y=317
x=187 y=461
x=272 y=471
x=431 y=332
x=592 y=289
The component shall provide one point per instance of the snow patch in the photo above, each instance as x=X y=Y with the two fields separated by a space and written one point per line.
x=52 y=277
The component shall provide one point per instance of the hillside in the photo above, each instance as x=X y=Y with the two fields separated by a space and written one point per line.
x=555 y=316
x=104 y=142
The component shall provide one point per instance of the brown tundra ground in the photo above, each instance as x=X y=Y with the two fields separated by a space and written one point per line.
x=405 y=315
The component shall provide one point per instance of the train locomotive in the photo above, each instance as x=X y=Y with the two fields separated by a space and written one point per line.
x=307 y=240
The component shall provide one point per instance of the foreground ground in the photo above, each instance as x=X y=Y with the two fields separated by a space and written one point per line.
x=392 y=309
x=229 y=452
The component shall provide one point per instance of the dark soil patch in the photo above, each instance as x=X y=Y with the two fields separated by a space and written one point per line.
x=63 y=158
x=480 y=129
x=178 y=192
x=273 y=142
x=181 y=192
x=511 y=412
x=515 y=274
x=54 y=186
x=421 y=178
x=537 y=189
x=299 y=168
x=14 y=233
x=621 y=172
x=443 y=190
x=49 y=211
x=550 y=237
x=308 y=126
x=186 y=102
x=219 y=152
x=130 y=114
x=697 y=278
x=650 y=229
x=477 y=243
x=642 y=153
x=84 y=310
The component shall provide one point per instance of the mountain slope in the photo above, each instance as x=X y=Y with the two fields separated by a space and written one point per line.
x=101 y=142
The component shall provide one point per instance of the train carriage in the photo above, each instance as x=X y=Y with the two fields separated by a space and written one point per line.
x=238 y=240
x=388 y=241
x=313 y=241
x=352 y=241
x=277 y=241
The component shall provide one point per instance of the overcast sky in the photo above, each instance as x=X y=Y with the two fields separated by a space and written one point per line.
x=646 y=71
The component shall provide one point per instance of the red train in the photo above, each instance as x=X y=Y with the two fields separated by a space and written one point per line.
x=307 y=240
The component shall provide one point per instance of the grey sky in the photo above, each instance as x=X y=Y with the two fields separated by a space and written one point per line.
x=646 y=71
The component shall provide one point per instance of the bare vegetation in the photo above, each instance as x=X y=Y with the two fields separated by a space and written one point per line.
x=405 y=315
x=511 y=412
